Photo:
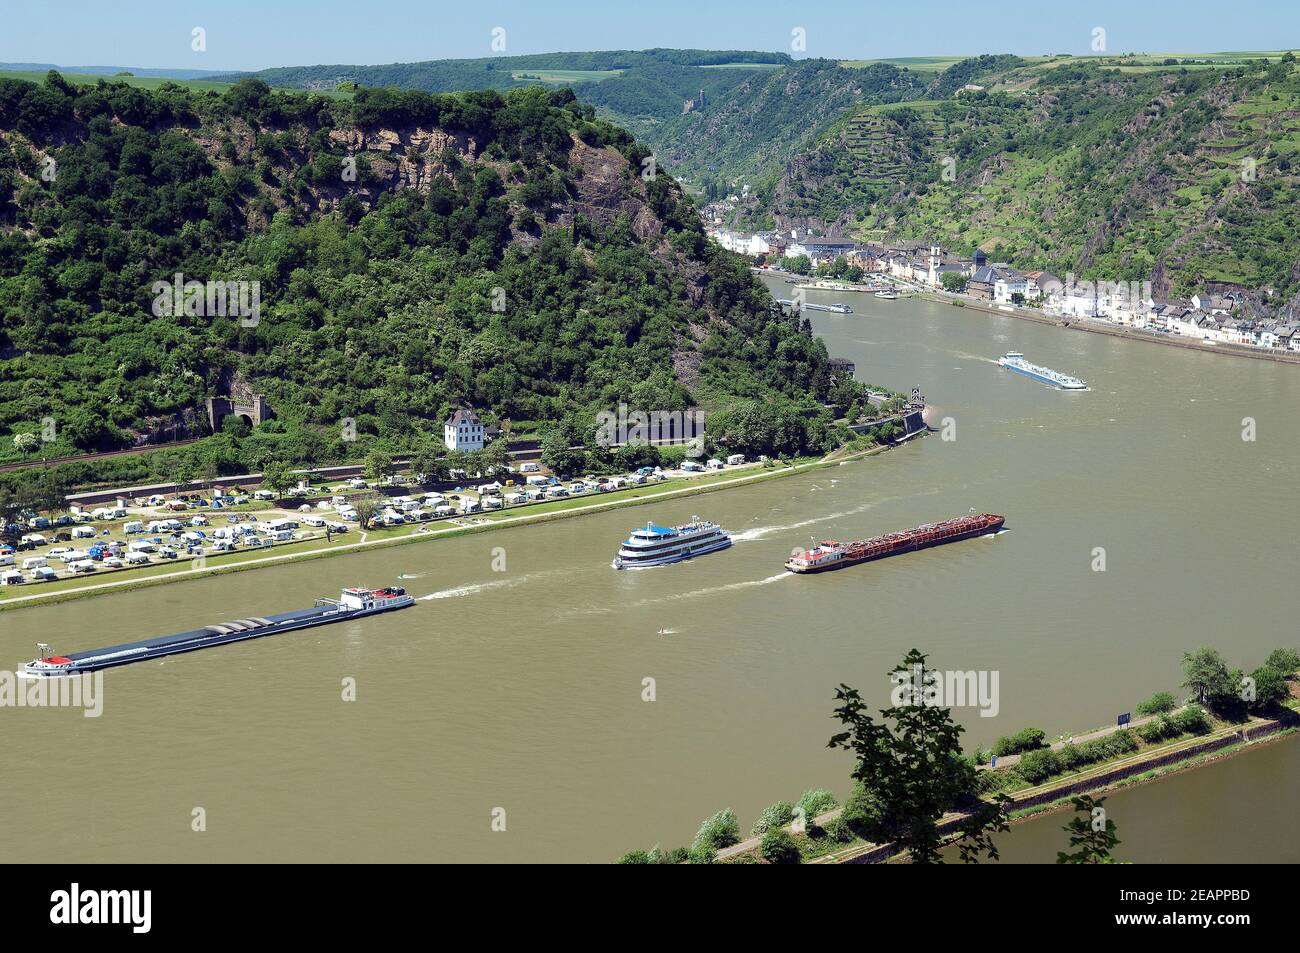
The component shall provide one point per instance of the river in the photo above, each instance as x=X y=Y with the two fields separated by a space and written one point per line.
x=517 y=698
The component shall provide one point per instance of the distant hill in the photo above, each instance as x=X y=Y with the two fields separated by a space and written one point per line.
x=502 y=72
x=114 y=70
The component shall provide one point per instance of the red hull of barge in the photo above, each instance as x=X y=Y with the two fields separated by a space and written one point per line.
x=829 y=554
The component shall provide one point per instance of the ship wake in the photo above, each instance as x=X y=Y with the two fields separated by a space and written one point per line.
x=510 y=582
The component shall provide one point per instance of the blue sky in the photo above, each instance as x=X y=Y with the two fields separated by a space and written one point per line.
x=252 y=34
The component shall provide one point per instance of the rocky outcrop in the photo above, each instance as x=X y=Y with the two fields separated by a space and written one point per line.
x=608 y=188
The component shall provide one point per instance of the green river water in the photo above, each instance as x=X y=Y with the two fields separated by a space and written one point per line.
x=523 y=689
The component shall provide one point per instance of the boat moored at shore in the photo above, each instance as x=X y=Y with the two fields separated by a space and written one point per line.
x=660 y=545
x=830 y=554
x=352 y=604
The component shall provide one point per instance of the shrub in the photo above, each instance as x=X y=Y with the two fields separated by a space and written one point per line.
x=1158 y=730
x=1028 y=740
x=817 y=802
x=700 y=855
x=778 y=815
x=1283 y=660
x=863 y=813
x=720 y=830
x=778 y=847
x=1192 y=720
x=635 y=857
x=1157 y=704
x=1037 y=766
x=1070 y=757
x=839 y=830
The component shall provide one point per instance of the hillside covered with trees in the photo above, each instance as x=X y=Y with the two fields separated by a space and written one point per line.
x=411 y=251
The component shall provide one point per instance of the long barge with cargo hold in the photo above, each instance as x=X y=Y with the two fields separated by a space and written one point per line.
x=352 y=604
x=829 y=554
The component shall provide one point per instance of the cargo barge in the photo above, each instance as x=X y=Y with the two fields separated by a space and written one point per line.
x=352 y=604
x=829 y=554
x=1015 y=361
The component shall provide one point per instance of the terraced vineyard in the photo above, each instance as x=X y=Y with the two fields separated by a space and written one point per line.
x=1181 y=176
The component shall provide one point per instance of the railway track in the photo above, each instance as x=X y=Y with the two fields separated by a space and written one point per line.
x=88 y=457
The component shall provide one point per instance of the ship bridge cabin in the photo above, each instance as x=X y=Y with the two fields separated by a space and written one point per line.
x=371 y=598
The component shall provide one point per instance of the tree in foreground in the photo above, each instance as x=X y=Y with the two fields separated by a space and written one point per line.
x=1091 y=832
x=910 y=763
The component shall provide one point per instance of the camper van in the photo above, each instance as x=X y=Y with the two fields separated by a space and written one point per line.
x=735 y=460
x=82 y=566
x=44 y=574
x=528 y=468
x=135 y=526
x=35 y=562
x=11 y=577
x=136 y=558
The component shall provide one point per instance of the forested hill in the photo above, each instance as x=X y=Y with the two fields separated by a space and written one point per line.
x=412 y=251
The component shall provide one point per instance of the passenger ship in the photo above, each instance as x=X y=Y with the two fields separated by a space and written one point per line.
x=352 y=604
x=661 y=545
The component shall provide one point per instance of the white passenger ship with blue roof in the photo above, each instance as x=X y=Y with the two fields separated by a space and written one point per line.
x=660 y=545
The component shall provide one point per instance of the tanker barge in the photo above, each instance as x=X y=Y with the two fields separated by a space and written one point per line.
x=829 y=554
x=352 y=604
